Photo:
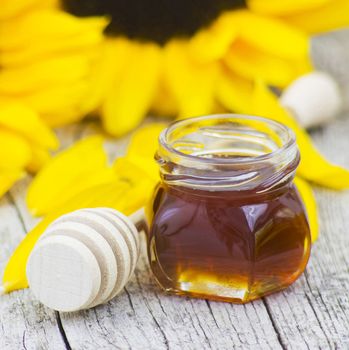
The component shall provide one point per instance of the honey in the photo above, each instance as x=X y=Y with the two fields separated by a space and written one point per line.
x=227 y=223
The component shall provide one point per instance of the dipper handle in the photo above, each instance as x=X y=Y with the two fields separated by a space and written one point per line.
x=313 y=99
x=84 y=258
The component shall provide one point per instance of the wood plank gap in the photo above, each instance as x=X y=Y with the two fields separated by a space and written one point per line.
x=58 y=317
x=166 y=342
x=211 y=312
x=23 y=341
x=62 y=331
x=282 y=344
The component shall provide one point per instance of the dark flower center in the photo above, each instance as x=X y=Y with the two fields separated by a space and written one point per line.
x=153 y=20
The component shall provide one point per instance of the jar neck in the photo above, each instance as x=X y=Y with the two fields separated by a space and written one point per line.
x=246 y=178
x=227 y=153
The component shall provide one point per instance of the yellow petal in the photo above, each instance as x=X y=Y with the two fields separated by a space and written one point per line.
x=252 y=63
x=15 y=152
x=284 y=7
x=257 y=99
x=57 y=105
x=332 y=15
x=14 y=276
x=23 y=40
x=26 y=122
x=313 y=166
x=212 y=43
x=40 y=156
x=130 y=98
x=8 y=179
x=272 y=35
x=142 y=148
x=126 y=196
x=145 y=140
x=10 y=8
x=130 y=168
x=68 y=173
x=58 y=25
x=308 y=199
x=190 y=82
x=234 y=92
x=39 y=75
x=114 y=55
x=164 y=103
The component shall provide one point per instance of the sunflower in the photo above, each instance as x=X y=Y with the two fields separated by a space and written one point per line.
x=62 y=60
x=68 y=58
x=177 y=57
x=65 y=59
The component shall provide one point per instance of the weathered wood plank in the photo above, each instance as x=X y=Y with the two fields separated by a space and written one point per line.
x=24 y=323
x=311 y=314
x=314 y=313
x=143 y=317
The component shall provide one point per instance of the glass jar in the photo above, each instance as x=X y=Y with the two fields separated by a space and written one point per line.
x=226 y=221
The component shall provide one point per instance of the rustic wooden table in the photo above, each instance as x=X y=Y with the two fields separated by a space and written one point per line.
x=313 y=313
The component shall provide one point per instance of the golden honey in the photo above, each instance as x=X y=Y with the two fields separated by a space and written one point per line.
x=227 y=223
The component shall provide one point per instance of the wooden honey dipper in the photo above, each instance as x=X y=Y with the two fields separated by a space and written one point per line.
x=84 y=258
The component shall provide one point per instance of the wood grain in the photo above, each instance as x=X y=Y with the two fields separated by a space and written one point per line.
x=24 y=323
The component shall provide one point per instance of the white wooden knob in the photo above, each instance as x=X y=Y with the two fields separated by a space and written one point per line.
x=313 y=99
x=64 y=274
x=83 y=259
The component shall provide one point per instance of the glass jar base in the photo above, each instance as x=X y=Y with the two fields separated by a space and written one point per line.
x=236 y=290
x=219 y=293
x=211 y=292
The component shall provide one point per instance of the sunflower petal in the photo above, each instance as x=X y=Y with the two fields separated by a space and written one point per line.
x=212 y=43
x=284 y=7
x=114 y=54
x=124 y=195
x=39 y=75
x=259 y=100
x=251 y=64
x=59 y=26
x=23 y=40
x=164 y=103
x=191 y=83
x=25 y=122
x=332 y=15
x=272 y=35
x=234 y=92
x=144 y=141
x=10 y=8
x=69 y=172
x=15 y=152
x=313 y=166
x=8 y=179
x=142 y=149
x=57 y=105
x=40 y=156
x=126 y=105
x=309 y=201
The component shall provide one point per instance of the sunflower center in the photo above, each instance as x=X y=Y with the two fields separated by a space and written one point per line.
x=153 y=20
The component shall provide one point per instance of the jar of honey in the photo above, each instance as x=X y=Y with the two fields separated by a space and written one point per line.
x=226 y=221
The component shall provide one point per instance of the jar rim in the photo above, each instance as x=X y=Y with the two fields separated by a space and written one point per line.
x=288 y=143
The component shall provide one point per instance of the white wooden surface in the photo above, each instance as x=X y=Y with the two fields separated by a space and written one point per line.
x=312 y=314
